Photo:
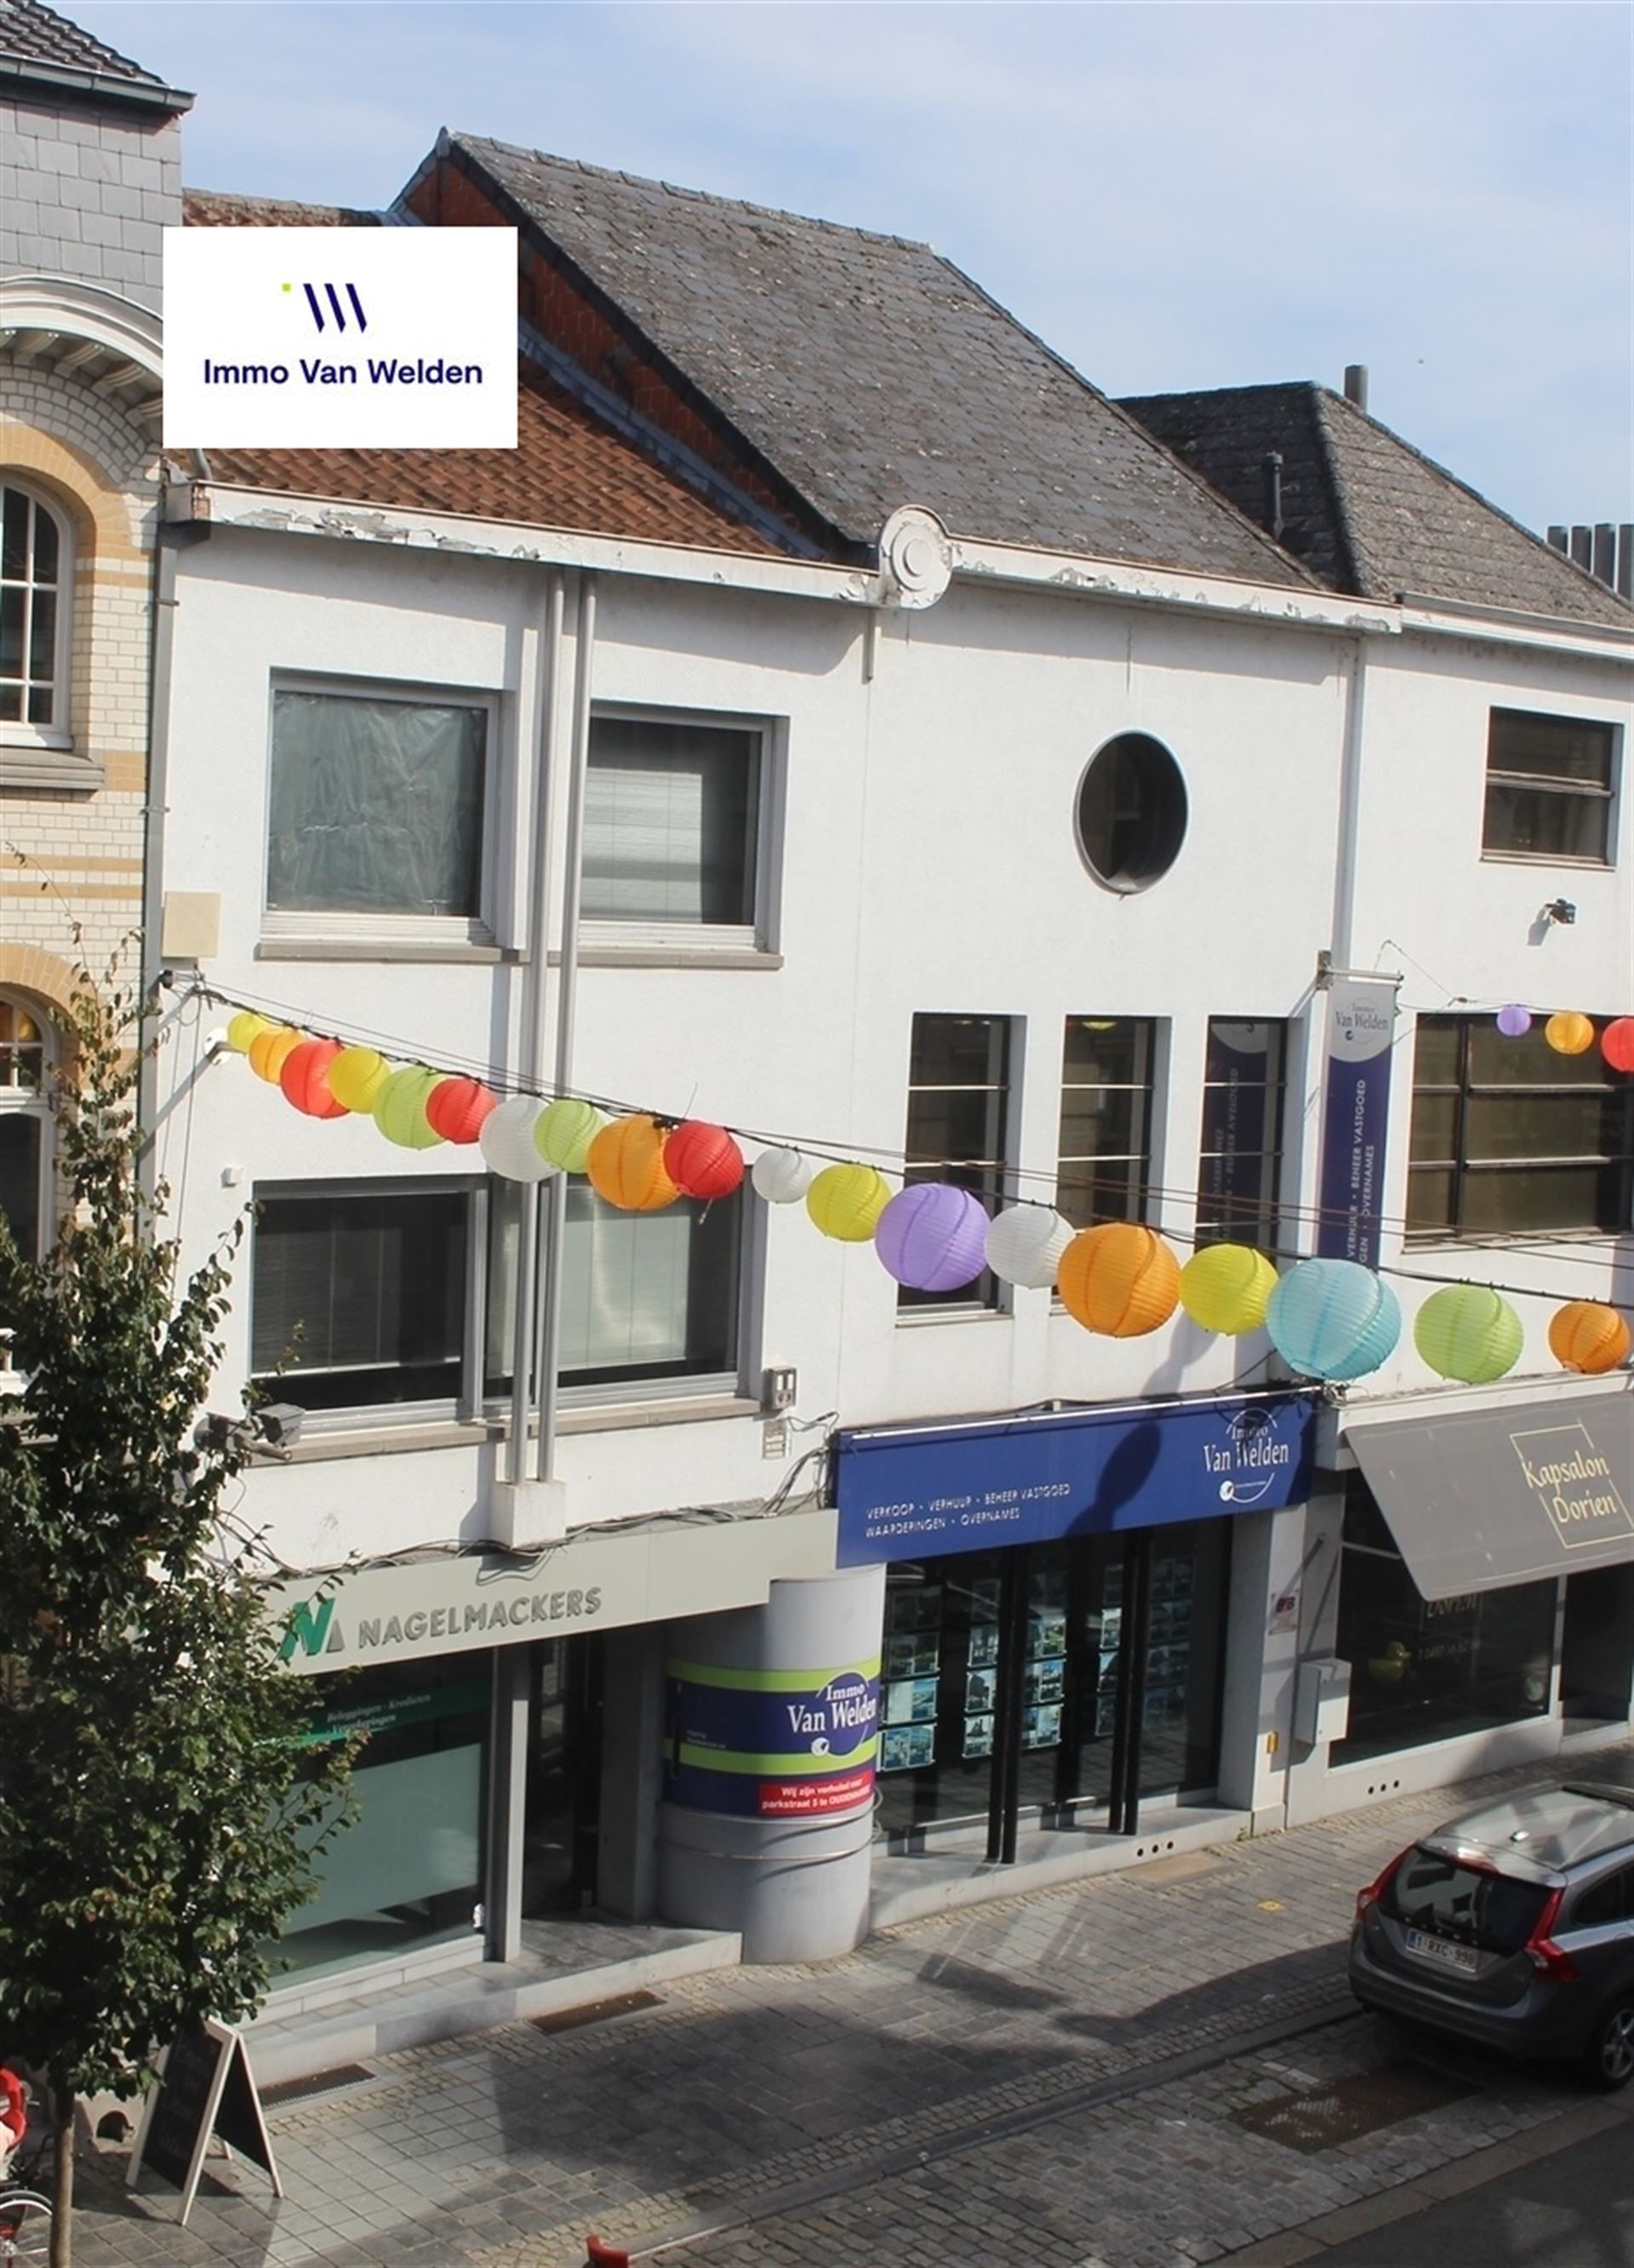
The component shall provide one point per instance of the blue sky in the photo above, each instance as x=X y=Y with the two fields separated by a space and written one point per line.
x=1173 y=196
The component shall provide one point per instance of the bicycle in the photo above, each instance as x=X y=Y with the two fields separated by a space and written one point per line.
x=25 y=2211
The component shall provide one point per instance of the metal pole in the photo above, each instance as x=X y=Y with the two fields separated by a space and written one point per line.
x=550 y=1290
x=532 y=1049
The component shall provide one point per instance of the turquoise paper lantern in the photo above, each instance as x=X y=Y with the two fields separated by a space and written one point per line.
x=1333 y=1319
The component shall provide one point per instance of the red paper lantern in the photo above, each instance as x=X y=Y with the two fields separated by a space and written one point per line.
x=457 y=1107
x=304 y=1075
x=703 y=1161
x=1617 y=1043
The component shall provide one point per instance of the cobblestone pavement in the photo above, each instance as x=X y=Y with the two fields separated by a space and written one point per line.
x=1051 y=2078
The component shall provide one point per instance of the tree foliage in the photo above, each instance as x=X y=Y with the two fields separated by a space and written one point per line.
x=157 y=1811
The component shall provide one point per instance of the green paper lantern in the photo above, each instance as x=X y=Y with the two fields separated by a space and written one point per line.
x=1469 y=1332
x=565 y=1132
x=399 y=1108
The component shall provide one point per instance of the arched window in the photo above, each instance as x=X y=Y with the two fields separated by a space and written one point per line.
x=27 y=1055
x=36 y=584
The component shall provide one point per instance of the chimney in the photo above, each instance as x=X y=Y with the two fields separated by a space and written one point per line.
x=1356 y=385
x=1273 y=493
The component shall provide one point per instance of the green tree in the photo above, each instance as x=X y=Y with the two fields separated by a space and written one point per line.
x=157 y=1811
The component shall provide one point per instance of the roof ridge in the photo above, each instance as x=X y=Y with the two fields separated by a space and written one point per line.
x=1344 y=518
x=139 y=73
x=695 y=196
x=1560 y=558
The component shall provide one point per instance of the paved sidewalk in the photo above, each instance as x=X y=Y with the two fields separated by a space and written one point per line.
x=1072 y=2062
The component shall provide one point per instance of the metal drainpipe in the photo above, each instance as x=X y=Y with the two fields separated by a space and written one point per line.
x=555 y=1187
x=1350 y=811
x=533 y=997
x=161 y=649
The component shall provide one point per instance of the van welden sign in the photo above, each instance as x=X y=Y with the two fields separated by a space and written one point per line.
x=771 y=1743
x=340 y=338
x=913 y=1493
x=1355 y=1111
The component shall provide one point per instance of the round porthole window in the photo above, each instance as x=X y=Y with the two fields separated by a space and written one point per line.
x=1131 y=812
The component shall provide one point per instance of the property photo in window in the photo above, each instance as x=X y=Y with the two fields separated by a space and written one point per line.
x=376 y=806
x=1104 y=1150
x=958 y=1124
x=1548 y=787
x=1240 y=1162
x=1511 y=1139
x=672 y=809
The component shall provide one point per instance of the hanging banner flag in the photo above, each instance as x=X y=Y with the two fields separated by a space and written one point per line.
x=1355 y=1111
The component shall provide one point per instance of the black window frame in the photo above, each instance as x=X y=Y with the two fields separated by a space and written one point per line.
x=1465 y=1103
x=987 y=1172
x=1136 y=1204
x=1229 y=1218
x=1512 y=783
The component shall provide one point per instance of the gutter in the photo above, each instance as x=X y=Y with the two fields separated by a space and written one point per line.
x=1511 y=626
x=18 y=75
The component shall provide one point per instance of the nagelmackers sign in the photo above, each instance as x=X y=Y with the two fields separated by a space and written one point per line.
x=340 y=338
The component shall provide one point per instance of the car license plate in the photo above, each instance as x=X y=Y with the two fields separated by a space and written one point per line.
x=1462 y=1957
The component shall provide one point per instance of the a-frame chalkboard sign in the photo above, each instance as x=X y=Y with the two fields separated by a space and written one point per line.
x=205 y=2086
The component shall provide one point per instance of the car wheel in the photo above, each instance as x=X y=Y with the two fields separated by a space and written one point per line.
x=1608 y=2059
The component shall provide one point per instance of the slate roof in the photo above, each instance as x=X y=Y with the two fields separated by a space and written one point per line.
x=1366 y=511
x=39 y=45
x=568 y=470
x=870 y=372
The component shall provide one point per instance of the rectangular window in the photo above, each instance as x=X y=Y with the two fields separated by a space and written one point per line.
x=1104 y=1150
x=1240 y=1160
x=646 y=1297
x=958 y=1115
x=376 y=808
x=358 y=1297
x=1548 y=787
x=1511 y=1138
x=673 y=821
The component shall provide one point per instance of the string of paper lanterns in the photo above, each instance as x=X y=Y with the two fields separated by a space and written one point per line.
x=1328 y=1319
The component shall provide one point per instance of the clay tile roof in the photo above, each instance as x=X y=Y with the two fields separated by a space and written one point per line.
x=39 y=47
x=871 y=372
x=220 y=209
x=1365 y=511
x=567 y=471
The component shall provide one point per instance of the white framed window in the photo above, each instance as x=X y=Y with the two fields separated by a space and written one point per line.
x=679 y=813
x=36 y=589
x=380 y=804
x=360 y=1294
x=1551 y=787
x=28 y=1056
x=652 y=1303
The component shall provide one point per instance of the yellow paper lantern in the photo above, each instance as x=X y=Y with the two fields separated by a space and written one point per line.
x=1584 y=1335
x=355 y=1077
x=1120 y=1279
x=845 y=1201
x=400 y=1108
x=1570 y=1033
x=565 y=1131
x=626 y=1165
x=246 y=1027
x=1227 y=1288
x=270 y=1050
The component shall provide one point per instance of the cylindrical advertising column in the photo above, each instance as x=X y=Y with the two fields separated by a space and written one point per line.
x=771 y=1734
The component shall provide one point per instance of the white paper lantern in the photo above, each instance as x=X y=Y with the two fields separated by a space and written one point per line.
x=507 y=1141
x=1024 y=1245
x=782 y=1176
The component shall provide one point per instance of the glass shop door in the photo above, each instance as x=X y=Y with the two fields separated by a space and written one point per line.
x=564 y=1809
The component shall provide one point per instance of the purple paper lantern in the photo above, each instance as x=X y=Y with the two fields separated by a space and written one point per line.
x=932 y=1237
x=1515 y=1021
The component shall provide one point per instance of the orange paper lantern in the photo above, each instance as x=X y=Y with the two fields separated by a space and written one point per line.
x=271 y=1049
x=703 y=1161
x=1585 y=1335
x=1119 y=1280
x=305 y=1077
x=456 y=1109
x=626 y=1165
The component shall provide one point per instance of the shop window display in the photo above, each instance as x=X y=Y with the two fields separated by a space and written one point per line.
x=1429 y=1669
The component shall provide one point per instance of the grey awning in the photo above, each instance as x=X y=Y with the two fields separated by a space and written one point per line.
x=1504 y=1495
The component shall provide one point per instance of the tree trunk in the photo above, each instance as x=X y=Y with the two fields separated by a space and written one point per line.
x=63 y=2188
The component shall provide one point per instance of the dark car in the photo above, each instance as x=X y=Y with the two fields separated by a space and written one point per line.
x=1512 y=1926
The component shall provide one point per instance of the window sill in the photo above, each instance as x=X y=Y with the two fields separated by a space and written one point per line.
x=361 y=948
x=27 y=764
x=917 y=1319
x=394 y=1438
x=1518 y=1240
x=1547 y=858
x=644 y=956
